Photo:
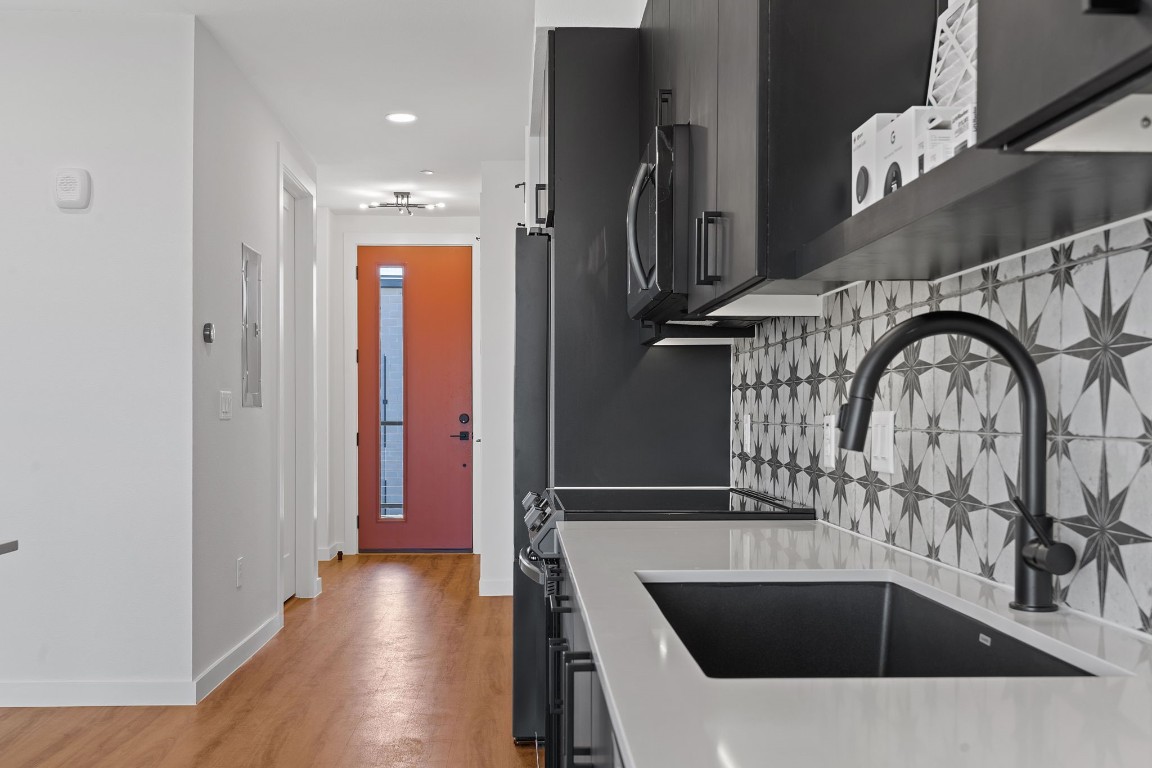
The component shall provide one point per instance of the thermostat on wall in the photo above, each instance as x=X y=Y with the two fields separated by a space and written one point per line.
x=73 y=189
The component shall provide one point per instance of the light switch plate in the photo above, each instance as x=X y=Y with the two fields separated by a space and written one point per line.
x=883 y=437
x=225 y=405
x=830 y=435
x=747 y=433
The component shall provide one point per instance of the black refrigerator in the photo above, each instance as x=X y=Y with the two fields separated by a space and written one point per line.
x=593 y=406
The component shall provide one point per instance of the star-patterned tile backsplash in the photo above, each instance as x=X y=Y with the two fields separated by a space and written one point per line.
x=1083 y=307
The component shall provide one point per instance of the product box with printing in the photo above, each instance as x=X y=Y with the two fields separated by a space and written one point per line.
x=964 y=129
x=865 y=161
x=912 y=144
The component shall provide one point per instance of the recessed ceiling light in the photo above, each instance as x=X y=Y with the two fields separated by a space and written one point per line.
x=363 y=206
x=427 y=172
x=400 y=117
x=439 y=205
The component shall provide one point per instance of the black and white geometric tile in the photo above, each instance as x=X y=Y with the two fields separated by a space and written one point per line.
x=1083 y=308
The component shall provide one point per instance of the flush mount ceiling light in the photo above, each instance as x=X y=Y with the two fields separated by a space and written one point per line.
x=427 y=172
x=403 y=204
x=400 y=117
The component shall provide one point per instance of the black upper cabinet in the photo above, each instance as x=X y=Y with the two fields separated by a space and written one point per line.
x=741 y=148
x=703 y=17
x=773 y=90
x=1047 y=63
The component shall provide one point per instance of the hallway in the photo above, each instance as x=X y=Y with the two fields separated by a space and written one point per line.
x=397 y=663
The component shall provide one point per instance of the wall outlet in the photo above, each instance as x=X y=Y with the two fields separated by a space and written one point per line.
x=831 y=434
x=239 y=572
x=225 y=405
x=747 y=433
x=882 y=430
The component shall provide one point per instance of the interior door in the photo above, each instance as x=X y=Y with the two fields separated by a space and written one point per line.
x=288 y=368
x=415 y=398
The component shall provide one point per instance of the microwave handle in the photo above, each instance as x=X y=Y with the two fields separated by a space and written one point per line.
x=643 y=176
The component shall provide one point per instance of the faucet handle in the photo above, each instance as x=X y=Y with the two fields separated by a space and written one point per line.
x=1054 y=557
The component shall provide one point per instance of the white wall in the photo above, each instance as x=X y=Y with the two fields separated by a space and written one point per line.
x=96 y=375
x=324 y=366
x=239 y=144
x=501 y=207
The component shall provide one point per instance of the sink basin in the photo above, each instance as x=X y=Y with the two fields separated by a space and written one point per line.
x=839 y=629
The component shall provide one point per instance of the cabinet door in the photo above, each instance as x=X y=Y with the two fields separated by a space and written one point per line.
x=739 y=154
x=603 y=739
x=678 y=52
x=647 y=79
x=577 y=727
x=702 y=116
x=662 y=64
x=1042 y=58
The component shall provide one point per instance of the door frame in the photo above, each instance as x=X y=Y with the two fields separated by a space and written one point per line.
x=296 y=472
x=352 y=243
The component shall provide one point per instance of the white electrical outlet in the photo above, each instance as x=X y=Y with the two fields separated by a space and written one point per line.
x=747 y=433
x=225 y=405
x=830 y=434
x=883 y=433
x=239 y=572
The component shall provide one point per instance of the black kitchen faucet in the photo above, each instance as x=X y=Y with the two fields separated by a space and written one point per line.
x=1038 y=557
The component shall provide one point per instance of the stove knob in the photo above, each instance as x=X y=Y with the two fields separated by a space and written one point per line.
x=530 y=501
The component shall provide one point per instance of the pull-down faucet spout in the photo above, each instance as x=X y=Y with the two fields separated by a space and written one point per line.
x=1038 y=557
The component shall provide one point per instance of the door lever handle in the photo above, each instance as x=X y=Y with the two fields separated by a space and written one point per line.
x=462 y=436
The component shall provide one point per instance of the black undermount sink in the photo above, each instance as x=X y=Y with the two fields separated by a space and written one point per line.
x=839 y=629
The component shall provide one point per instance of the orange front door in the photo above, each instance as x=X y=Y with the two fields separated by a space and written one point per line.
x=415 y=398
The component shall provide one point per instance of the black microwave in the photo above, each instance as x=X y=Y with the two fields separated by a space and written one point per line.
x=659 y=228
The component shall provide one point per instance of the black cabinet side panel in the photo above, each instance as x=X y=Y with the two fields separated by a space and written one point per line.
x=623 y=414
x=529 y=473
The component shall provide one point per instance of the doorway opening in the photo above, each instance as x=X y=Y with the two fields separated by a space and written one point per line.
x=415 y=398
x=296 y=391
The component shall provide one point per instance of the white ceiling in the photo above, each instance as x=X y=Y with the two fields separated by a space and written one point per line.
x=331 y=70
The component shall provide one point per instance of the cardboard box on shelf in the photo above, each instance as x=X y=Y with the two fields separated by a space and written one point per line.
x=865 y=161
x=912 y=144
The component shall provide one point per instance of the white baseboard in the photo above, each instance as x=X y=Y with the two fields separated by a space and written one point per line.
x=87 y=693
x=235 y=658
x=324 y=554
x=495 y=587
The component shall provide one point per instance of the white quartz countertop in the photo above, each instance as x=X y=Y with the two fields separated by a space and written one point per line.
x=8 y=546
x=667 y=713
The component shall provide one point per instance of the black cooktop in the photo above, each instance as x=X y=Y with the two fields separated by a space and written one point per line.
x=675 y=504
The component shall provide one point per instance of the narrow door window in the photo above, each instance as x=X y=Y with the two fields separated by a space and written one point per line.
x=392 y=393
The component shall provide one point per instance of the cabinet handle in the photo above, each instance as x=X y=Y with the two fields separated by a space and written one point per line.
x=557 y=646
x=643 y=176
x=574 y=663
x=704 y=273
x=664 y=113
x=540 y=219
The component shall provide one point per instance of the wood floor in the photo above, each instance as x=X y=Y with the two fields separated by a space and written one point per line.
x=398 y=663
